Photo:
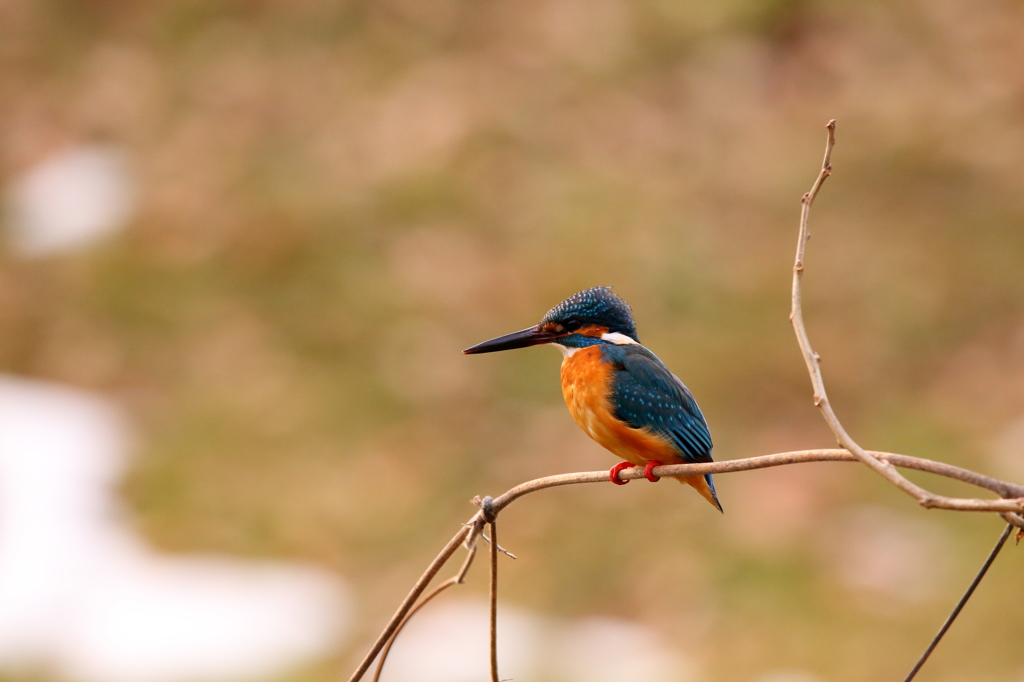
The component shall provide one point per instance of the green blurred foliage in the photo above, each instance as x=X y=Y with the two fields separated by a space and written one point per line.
x=337 y=197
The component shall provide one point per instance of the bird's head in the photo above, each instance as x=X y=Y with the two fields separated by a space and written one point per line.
x=594 y=315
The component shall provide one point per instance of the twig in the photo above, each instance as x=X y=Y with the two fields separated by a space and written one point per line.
x=501 y=549
x=963 y=600
x=924 y=497
x=457 y=579
x=494 y=602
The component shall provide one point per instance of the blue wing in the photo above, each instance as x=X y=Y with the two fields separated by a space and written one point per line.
x=645 y=394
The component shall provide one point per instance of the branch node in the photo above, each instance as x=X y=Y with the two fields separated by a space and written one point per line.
x=486 y=507
x=476 y=525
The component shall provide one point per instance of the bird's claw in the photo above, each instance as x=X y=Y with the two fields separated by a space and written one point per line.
x=649 y=470
x=613 y=473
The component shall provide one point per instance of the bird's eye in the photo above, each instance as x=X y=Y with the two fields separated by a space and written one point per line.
x=572 y=325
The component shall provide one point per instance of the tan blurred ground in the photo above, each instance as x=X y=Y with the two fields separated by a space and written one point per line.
x=336 y=198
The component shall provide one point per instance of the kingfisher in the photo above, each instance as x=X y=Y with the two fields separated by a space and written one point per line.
x=619 y=392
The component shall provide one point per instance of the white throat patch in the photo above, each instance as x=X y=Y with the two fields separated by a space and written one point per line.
x=618 y=339
x=566 y=351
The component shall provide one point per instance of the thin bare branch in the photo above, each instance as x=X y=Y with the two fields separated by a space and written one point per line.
x=494 y=602
x=501 y=549
x=960 y=604
x=924 y=497
x=1013 y=493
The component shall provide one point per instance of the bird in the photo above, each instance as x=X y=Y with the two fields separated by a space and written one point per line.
x=618 y=391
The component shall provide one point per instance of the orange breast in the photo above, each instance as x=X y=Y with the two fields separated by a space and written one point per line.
x=586 y=387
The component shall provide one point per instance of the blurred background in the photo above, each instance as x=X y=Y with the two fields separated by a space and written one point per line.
x=243 y=245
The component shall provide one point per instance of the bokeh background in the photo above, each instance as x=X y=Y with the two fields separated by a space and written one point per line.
x=312 y=207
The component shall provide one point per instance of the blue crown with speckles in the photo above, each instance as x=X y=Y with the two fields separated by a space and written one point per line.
x=595 y=306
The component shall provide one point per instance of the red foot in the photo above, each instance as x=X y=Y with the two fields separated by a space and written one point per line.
x=649 y=470
x=613 y=473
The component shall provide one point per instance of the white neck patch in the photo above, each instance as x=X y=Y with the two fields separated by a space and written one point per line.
x=566 y=350
x=618 y=339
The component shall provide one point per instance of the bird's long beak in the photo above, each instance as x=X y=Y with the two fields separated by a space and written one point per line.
x=521 y=339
